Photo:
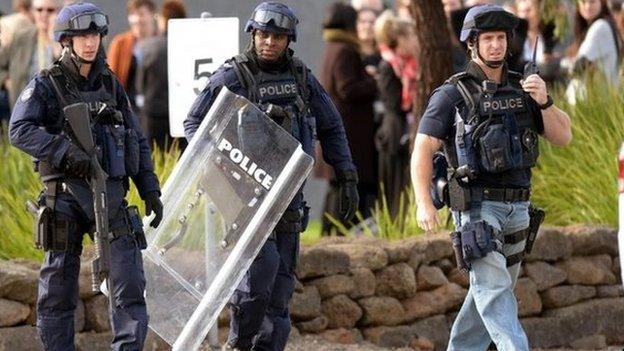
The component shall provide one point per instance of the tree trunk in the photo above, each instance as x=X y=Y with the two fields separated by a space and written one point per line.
x=435 y=60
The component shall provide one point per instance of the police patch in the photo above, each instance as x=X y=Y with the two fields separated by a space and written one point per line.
x=278 y=90
x=26 y=94
x=503 y=104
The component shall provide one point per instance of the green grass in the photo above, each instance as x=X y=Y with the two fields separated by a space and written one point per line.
x=576 y=185
x=20 y=183
x=312 y=233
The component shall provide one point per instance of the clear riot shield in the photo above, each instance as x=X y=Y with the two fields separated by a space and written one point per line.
x=222 y=200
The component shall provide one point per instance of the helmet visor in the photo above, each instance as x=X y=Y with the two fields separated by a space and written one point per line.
x=264 y=18
x=84 y=21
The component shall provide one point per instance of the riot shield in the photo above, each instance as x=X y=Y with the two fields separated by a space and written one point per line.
x=222 y=200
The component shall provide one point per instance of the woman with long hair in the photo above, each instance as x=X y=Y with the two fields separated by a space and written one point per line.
x=366 y=18
x=597 y=41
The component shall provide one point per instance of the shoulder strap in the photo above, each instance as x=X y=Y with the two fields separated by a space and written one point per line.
x=110 y=83
x=59 y=83
x=245 y=76
x=467 y=89
x=300 y=71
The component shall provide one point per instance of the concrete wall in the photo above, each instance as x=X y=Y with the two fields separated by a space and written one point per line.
x=393 y=294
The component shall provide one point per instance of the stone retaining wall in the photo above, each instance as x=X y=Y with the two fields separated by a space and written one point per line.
x=394 y=294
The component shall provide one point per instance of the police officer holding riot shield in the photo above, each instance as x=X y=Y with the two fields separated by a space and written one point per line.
x=488 y=120
x=38 y=127
x=280 y=84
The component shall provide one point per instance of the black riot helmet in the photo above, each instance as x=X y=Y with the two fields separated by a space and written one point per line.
x=485 y=18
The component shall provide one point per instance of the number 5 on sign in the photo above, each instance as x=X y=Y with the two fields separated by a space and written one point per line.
x=196 y=48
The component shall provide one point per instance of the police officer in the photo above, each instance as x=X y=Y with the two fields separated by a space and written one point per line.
x=280 y=84
x=38 y=127
x=488 y=120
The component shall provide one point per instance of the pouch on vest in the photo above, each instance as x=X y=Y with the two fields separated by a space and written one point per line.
x=115 y=141
x=500 y=147
x=465 y=149
x=530 y=148
x=136 y=227
x=476 y=240
x=132 y=153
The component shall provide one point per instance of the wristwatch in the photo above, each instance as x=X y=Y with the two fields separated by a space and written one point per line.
x=549 y=102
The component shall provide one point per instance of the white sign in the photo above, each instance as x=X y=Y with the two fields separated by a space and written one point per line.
x=196 y=48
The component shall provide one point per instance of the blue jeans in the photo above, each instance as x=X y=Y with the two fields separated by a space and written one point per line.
x=490 y=310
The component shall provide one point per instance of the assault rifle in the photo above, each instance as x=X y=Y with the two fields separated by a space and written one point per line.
x=78 y=117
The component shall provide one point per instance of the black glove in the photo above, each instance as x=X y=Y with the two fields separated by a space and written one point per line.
x=153 y=203
x=276 y=112
x=279 y=115
x=76 y=162
x=348 y=194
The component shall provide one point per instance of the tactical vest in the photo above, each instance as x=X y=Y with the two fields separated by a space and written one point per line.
x=111 y=131
x=494 y=132
x=287 y=89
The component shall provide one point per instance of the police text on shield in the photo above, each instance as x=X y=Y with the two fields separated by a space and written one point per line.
x=251 y=168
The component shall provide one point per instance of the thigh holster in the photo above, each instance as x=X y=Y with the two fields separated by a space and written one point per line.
x=51 y=232
x=477 y=240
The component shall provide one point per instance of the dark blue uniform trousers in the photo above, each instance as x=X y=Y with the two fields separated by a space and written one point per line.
x=259 y=306
x=58 y=286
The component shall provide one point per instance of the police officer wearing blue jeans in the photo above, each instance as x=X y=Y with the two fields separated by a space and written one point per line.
x=38 y=127
x=488 y=120
x=281 y=85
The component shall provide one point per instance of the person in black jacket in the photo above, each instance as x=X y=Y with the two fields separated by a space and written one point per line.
x=353 y=91
x=396 y=79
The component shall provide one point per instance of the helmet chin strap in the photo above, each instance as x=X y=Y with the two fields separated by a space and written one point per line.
x=75 y=58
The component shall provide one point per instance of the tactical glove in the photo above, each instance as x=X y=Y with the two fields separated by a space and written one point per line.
x=76 y=162
x=279 y=115
x=348 y=194
x=153 y=203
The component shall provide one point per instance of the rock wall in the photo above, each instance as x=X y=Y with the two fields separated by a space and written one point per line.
x=397 y=294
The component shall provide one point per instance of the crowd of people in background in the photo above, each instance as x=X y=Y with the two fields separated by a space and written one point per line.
x=370 y=68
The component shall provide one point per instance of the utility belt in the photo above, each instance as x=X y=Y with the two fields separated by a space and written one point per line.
x=293 y=221
x=476 y=239
x=52 y=233
x=461 y=196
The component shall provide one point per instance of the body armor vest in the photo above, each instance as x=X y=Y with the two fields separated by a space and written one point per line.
x=495 y=130
x=110 y=129
x=287 y=89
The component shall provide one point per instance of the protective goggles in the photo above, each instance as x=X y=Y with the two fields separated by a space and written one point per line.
x=264 y=17
x=84 y=21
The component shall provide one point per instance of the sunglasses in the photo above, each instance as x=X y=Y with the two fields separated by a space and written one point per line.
x=46 y=9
